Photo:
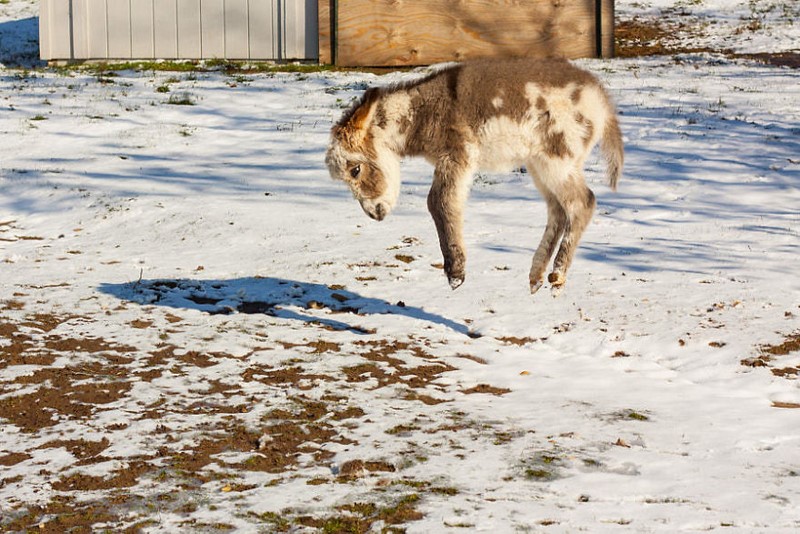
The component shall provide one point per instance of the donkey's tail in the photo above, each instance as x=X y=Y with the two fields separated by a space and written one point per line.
x=612 y=148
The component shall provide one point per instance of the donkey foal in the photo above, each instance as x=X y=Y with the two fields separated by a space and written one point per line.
x=491 y=115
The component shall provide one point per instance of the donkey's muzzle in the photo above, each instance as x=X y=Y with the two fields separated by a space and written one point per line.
x=377 y=211
x=380 y=212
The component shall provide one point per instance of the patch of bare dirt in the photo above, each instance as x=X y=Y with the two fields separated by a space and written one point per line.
x=486 y=388
x=667 y=35
x=359 y=518
x=648 y=37
x=11 y=305
x=386 y=366
x=124 y=477
x=48 y=405
x=84 y=450
x=205 y=433
x=358 y=468
x=778 y=59
x=45 y=322
x=62 y=514
x=294 y=375
x=412 y=395
x=770 y=356
x=790 y=344
x=173 y=359
x=14 y=458
x=518 y=341
x=318 y=346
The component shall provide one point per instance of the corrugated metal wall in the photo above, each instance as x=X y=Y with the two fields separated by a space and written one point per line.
x=178 y=29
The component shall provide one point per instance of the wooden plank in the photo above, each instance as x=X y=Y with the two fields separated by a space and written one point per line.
x=263 y=29
x=96 y=30
x=118 y=20
x=607 y=28
x=165 y=29
x=324 y=34
x=237 y=38
x=142 y=29
x=421 y=32
x=188 y=24
x=212 y=28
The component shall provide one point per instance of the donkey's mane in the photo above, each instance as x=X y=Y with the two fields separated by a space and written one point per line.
x=410 y=84
x=372 y=92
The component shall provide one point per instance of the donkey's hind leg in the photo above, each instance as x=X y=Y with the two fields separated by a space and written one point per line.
x=556 y=224
x=578 y=203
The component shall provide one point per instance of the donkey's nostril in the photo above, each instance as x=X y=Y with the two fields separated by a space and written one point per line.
x=380 y=212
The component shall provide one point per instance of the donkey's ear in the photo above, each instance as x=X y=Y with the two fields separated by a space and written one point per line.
x=353 y=126
x=365 y=111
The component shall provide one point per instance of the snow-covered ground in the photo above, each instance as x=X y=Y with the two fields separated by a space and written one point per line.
x=737 y=26
x=200 y=331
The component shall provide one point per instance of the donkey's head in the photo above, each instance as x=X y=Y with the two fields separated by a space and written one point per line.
x=359 y=156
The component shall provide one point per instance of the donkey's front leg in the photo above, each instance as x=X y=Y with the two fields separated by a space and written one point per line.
x=446 y=201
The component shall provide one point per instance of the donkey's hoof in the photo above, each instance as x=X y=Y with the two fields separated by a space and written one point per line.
x=557 y=280
x=455 y=281
x=536 y=286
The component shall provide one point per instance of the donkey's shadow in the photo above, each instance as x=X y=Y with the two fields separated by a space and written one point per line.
x=286 y=299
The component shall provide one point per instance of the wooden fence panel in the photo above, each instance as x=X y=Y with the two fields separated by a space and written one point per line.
x=325 y=35
x=606 y=29
x=421 y=32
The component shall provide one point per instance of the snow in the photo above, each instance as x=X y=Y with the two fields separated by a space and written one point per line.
x=627 y=405
x=739 y=26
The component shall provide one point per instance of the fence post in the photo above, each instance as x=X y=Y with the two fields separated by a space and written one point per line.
x=326 y=18
x=604 y=12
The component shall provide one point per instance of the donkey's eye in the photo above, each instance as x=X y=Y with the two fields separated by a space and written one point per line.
x=355 y=171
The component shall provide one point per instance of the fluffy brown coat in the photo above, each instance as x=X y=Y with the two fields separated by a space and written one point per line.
x=491 y=115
